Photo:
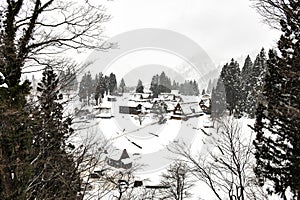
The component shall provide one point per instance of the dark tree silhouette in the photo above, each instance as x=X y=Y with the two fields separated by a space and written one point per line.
x=139 y=87
x=277 y=122
x=34 y=34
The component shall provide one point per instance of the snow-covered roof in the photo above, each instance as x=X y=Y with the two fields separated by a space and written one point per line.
x=119 y=155
x=167 y=96
x=138 y=96
x=189 y=108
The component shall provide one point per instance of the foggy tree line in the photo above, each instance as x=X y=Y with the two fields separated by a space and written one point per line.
x=69 y=78
x=95 y=88
x=162 y=84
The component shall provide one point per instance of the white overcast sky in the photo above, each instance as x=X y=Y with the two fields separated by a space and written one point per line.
x=225 y=29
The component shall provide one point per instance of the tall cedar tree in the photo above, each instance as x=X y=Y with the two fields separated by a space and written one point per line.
x=154 y=85
x=218 y=100
x=247 y=99
x=230 y=76
x=89 y=87
x=122 y=85
x=15 y=133
x=160 y=84
x=82 y=89
x=102 y=85
x=278 y=117
x=86 y=88
x=139 y=87
x=256 y=82
x=96 y=89
x=54 y=168
x=15 y=141
x=209 y=87
x=252 y=80
x=164 y=85
x=112 y=86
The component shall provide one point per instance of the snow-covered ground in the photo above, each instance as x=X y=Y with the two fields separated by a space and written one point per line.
x=149 y=140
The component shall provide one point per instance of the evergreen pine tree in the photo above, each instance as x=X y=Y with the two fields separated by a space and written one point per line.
x=253 y=75
x=53 y=166
x=195 y=88
x=15 y=140
x=247 y=68
x=101 y=88
x=122 y=85
x=218 y=100
x=82 y=89
x=96 y=89
x=230 y=76
x=258 y=75
x=112 y=86
x=139 y=87
x=15 y=131
x=175 y=85
x=106 y=83
x=154 y=86
x=209 y=87
x=164 y=85
x=89 y=86
x=277 y=120
x=247 y=98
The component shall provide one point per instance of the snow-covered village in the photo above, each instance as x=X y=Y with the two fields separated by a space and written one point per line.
x=149 y=100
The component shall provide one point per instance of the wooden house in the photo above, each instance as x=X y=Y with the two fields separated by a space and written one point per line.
x=120 y=161
x=183 y=111
x=170 y=97
x=141 y=96
x=130 y=109
x=103 y=111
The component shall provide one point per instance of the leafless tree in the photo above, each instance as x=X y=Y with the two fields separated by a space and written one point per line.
x=43 y=30
x=101 y=180
x=227 y=165
x=179 y=182
x=114 y=184
x=273 y=11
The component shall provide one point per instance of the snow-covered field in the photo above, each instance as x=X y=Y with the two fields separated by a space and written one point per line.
x=147 y=144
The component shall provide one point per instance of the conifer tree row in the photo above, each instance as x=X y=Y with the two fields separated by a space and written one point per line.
x=97 y=87
x=278 y=114
x=162 y=84
x=243 y=88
